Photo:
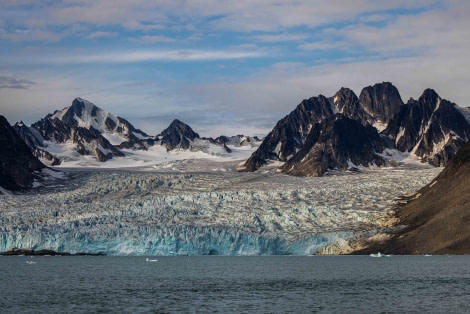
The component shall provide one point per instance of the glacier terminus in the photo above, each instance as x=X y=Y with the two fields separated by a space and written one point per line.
x=216 y=211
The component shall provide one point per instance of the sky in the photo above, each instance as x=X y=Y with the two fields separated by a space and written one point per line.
x=224 y=67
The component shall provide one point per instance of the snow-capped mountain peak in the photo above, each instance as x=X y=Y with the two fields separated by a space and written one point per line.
x=84 y=114
x=87 y=129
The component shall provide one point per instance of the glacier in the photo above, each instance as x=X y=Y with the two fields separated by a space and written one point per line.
x=210 y=212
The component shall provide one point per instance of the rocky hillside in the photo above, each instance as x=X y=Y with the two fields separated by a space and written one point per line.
x=17 y=163
x=437 y=217
x=430 y=129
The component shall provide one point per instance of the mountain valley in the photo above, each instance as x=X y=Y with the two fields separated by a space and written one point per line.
x=328 y=179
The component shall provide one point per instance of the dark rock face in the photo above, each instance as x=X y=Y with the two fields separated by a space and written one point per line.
x=348 y=104
x=290 y=133
x=437 y=218
x=431 y=128
x=27 y=135
x=34 y=140
x=45 y=155
x=77 y=108
x=382 y=101
x=221 y=139
x=140 y=144
x=177 y=135
x=103 y=150
x=17 y=163
x=333 y=143
x=126 y=129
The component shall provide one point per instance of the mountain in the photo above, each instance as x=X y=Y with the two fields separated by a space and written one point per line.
x=430 y=129
x=17 y=163
x=82 y=127
x=437 y=217
x=382 y=101
x=347 y=103
x=290 y=133
x=35 y=141
x=238 y=140
x=336 y=142
x=85 y=114
x=83 y=133
x=180 y=136
x=177 y=135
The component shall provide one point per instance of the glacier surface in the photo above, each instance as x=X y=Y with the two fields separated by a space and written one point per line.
x=215 y=211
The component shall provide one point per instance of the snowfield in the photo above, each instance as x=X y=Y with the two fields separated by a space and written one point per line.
x=175 y=209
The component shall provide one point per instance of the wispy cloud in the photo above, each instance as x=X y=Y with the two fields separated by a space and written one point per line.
x=270 y=38
x=322 y=45
x=146 y=27
x=152 y=39
x=31 y=35
x=214 y=15
x=14 y=83
x=158 y=55
x=101 y=34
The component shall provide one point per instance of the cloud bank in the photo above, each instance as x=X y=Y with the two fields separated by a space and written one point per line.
x=224 y=65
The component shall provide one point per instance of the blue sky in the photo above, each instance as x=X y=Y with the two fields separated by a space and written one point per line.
x=224 y=67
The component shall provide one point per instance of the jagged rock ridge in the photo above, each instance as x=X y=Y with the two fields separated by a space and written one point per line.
x=17 y=164
x=347 y=103
x=290 y=133
x=335 y=143
x=431 y=129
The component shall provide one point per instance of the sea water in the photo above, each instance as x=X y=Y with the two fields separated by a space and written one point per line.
x=215 y=284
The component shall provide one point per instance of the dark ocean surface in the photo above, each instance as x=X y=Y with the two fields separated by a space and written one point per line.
x=216 y=284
